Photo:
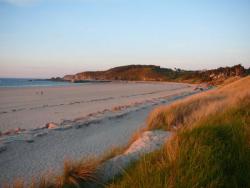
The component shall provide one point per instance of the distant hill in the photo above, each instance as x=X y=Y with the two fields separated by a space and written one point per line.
x=156 y=73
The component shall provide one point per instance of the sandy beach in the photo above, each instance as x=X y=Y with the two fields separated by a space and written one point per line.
x=27 y=108
x=87 y=120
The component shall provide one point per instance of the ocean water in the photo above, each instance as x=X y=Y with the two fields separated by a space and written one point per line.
x=27 y=82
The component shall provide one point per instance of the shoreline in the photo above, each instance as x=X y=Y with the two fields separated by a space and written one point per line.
x=82 y=83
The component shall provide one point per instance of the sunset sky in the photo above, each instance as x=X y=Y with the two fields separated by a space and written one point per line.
x=44 y=38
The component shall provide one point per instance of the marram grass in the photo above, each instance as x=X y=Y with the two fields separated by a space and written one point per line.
x=213 y=151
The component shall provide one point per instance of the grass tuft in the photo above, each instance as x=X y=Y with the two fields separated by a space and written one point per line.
x=76 y=174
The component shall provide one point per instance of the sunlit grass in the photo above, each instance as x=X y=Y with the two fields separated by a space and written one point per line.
x=194 y=108
x=209 y=149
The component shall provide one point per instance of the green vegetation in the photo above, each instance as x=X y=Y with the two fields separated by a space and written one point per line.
x=213 y=151
x=156 y=73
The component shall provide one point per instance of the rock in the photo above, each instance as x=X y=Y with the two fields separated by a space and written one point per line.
x=51 y=125
x=57 y=79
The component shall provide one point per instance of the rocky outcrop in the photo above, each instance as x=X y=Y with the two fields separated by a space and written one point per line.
x=222 y=73
x=58 y=79
x=68 y=78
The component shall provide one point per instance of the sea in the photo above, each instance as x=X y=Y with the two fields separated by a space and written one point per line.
x=31 y=82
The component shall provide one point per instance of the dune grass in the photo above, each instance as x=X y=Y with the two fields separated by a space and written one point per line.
x=208 y=149
x=187 y=111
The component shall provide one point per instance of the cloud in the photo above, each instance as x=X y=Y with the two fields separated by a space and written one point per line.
x=19 y=2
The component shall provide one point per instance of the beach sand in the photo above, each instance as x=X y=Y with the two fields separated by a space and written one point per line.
x=88 y=119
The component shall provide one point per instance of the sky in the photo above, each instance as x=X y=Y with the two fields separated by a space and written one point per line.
x=45 y=38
